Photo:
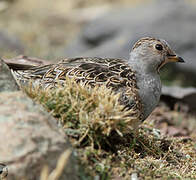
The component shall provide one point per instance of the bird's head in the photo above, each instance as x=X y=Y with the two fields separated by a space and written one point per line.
x=152 y=54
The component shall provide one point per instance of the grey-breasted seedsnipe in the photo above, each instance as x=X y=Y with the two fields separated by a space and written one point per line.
x=136 y=79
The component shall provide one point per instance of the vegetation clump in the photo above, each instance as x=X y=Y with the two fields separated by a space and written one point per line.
x=88 y=113
x=100 y=129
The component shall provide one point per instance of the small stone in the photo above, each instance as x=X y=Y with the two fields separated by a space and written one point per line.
x=134 y=176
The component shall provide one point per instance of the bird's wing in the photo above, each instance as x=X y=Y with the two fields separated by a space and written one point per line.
x=114 y=73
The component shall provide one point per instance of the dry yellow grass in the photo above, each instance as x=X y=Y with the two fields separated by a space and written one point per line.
x=95 y=112
x=57 y=172
x=95 y=123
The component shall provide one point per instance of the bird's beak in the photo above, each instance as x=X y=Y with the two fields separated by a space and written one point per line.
x=171 y=58
x=174 y=58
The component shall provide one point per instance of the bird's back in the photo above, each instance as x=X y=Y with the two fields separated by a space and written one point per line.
x=113 y=73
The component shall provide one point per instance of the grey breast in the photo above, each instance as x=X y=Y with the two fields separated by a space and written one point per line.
x=149 y=92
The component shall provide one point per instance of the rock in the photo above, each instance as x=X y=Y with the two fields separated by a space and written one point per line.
x=174 y=94
x=10 y=43
x=23 y=62
x=29 y=136
x=30 y=139
x=179 y=92
x=7 y=82
x=113 y=34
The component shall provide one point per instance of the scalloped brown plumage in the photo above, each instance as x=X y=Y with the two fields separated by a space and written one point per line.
x=136 y=79
x=113 y=73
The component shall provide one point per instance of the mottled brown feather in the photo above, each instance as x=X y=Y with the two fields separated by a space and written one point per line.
x=142 y=40
x=115 y=74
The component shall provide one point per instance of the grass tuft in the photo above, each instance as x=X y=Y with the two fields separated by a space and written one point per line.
x=100 y=128
x=91 y=114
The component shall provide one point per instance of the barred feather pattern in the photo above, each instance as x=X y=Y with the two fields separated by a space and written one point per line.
x=114 y=73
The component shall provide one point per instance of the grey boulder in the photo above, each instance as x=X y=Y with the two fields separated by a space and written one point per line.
x=30 y=138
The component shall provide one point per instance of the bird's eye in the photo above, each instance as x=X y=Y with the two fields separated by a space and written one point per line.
x=159 y=47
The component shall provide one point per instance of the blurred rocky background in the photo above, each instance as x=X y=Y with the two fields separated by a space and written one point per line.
x=52 y=30
x=108 y=28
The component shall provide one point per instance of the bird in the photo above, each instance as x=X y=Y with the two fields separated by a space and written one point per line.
x=137 y=79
